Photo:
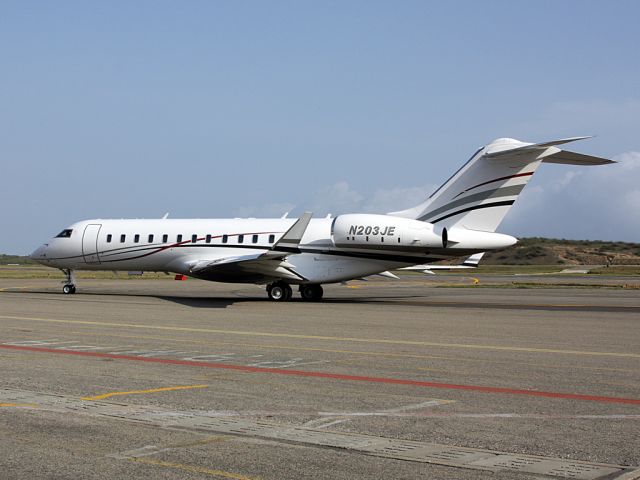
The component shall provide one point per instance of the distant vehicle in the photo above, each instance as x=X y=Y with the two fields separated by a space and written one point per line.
x=459 y=219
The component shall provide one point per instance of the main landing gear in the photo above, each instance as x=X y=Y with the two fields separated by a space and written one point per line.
x=282 y=292
x=69 y=282
x=311 y=292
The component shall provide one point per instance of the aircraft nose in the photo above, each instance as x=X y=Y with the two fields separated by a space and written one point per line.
x=39 y=253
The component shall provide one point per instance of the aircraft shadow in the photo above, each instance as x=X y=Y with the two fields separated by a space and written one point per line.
x=224 y=302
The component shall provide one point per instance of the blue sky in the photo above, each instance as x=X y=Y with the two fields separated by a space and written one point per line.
x=218 y=109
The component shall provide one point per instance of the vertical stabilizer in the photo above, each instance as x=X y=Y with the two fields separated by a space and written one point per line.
x=481 y=192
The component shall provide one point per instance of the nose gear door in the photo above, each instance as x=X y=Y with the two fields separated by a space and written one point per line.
x=90 y=243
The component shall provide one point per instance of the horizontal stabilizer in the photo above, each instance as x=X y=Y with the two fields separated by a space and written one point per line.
x=470 y=262
x=572 y=158
x=497 y=148
x=388 y=275
x=473 y=260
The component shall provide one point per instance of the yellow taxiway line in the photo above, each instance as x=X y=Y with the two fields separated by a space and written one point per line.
x=385 y=341
x=140 y=392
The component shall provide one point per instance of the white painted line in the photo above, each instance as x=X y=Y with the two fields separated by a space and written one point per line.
x=408 y=450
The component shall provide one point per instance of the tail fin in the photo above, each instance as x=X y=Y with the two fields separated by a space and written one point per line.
x=481 y=192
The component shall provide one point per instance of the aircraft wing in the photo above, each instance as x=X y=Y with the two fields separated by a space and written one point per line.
x=271 y=263
x=247 y=266
x=470 y=262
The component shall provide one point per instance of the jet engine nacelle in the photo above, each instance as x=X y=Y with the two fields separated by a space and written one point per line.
x=359 y=229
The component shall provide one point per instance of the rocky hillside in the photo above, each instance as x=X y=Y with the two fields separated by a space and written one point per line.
x=550 y=251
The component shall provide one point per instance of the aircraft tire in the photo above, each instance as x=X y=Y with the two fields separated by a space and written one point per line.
x=311 y=292
x=289 y=291
x=69 y=289
x=279 y=292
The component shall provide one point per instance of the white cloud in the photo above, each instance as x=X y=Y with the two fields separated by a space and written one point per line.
x=633 y=200
x=591 y=203
x=600 y=202
x=337 y=198
x=341 y=198
x=269 y=210
x=394 y=199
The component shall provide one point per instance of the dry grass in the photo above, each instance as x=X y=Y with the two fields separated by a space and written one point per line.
x=31 y=272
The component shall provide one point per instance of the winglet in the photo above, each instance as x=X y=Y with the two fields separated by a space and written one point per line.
x=291 y=239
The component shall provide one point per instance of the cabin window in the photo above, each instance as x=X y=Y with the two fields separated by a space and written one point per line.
x=150 y=238
x=208 y=239
x=240 y=238
x=179 y=238
x=254 y=239
x=165 y=238
x=398 y=239
x=272 y=238
x=122 y=238
x=136 y=238
x=109 y=238
x=194 y=238
x=225 y=238
x=64 y=233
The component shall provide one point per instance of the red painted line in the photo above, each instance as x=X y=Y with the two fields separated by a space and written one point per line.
x=335 y=376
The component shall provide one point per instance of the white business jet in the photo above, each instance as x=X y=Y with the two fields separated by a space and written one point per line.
x=458 y=220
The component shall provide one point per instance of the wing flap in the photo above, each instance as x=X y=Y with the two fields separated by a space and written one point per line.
x=201 y=265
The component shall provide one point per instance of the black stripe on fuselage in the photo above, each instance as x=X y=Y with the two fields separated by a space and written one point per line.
x=475 y=207
x=525 y=174
x=502 y=192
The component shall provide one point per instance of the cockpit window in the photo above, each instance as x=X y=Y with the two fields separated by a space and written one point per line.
x=64 y=234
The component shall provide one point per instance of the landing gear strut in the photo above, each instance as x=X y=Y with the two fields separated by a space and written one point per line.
x=311 y=292
x=279 y=291
x=69 y=282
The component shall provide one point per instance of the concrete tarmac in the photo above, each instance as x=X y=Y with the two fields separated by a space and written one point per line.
x=382 y=379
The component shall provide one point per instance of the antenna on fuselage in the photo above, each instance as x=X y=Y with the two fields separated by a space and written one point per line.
x=286 y=214
x=164 y=217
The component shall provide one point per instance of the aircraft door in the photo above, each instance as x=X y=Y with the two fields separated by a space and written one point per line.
x=90 y=243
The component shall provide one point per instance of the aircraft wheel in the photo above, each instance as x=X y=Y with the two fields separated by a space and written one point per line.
x=311 y=292
x=68 y=289
x=279 y=292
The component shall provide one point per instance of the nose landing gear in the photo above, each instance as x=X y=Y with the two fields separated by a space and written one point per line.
x=69 y=282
